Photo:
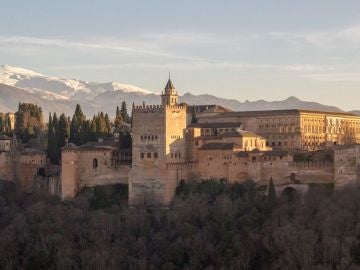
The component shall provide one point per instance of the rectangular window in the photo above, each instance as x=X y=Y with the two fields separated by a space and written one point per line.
x=148 y=155
x=155 y=155
x=142 y=155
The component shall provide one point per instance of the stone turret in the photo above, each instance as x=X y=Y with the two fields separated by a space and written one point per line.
x=169 y=97
x=69 y=171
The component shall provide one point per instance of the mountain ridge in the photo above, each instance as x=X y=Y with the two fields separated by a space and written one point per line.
x=55 y=94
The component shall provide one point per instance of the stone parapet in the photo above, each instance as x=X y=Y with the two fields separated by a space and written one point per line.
x=311 y=164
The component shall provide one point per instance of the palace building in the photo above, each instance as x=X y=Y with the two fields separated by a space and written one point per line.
x=296 y=129
x=174 y=142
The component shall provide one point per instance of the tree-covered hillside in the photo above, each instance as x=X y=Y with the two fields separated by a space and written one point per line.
x=210 y=225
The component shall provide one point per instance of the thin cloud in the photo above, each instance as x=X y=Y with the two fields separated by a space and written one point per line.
x=335 y=77
x=63 y=43
x=158 y=46
x=199 y=65
x=341 y=38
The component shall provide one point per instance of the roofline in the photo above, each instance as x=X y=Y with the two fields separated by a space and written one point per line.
x=233 y=146
x=264 y=112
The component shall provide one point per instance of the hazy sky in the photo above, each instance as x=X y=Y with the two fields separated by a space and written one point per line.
x=235 y=49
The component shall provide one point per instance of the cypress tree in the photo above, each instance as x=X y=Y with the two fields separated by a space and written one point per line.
x=63 y=131
x=50 y=126
x=124 y=113
x=50 y=122
x=53 y=149
x=117 y=111
x=55 y=124
x=101 y=128
x=85 y=133
x=118 y=119
x=93 y=135
x=77 y=132
x=108 y=124
x=194 y=118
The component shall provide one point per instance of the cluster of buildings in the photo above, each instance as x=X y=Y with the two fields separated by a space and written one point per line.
x=21 y=165
x=175 y=142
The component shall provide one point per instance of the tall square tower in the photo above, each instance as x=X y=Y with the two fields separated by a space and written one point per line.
x=158 y=140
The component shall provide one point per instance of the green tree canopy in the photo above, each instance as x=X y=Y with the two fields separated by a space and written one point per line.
x=124 y=112
x=53 y=149
x=77 y=126
x=63 y=131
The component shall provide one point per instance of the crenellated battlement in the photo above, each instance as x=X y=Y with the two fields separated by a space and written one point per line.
x=176 y=107
x=311 y=165
x=156 y=108
x=182 y=165
x=148 y=108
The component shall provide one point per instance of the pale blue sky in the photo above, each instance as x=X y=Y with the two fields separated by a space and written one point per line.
x=236 y=49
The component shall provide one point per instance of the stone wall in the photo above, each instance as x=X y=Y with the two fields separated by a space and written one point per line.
x=6 y=170
x=48 y=184
x=28 y=170
x=261 y=168
x=347 y=165
x=311 y=172
x=89 y=167
x=158 y=139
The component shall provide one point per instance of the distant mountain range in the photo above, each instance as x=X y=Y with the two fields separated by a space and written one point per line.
x=59 y=95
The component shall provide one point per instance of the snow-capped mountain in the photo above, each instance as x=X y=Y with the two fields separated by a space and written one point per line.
x=54 y=88
x=60 y=95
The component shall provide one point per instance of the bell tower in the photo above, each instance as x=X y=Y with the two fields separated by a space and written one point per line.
x=169 y=97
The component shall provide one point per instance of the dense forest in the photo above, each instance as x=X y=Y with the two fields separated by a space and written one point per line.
x=210 y=225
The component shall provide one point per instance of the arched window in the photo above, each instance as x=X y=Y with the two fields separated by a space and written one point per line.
x=95 y=163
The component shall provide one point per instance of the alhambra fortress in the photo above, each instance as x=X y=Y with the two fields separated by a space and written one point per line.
x=175 y=142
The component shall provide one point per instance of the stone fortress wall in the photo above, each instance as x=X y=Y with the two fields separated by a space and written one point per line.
x=89 y=166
